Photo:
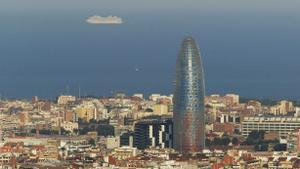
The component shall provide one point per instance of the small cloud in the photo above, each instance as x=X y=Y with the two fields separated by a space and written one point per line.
x=104 y=20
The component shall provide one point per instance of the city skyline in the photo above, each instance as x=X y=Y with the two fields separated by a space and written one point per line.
x=149 y=84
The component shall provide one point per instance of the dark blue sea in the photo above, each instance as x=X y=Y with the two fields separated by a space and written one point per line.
x=248 y=47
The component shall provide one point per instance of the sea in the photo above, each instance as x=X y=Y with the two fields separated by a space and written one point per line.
x=251 y=48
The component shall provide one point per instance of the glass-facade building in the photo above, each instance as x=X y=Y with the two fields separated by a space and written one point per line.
x=188 y=117
x=153 y=133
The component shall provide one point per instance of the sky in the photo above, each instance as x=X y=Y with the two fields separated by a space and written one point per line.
x=247 y=47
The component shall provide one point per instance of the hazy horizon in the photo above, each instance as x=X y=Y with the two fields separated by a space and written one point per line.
x=249 y=48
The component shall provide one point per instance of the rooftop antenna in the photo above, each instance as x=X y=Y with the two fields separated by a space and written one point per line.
x=112 y=92
x=79 y=92
x=67 y=90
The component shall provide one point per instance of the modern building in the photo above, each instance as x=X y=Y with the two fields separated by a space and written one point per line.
x=283 y=125
x=230 y=117
x=189 y=118
x=126 y=139
x=153 y=133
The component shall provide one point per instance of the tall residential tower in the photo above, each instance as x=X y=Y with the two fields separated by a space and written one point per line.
x=189 y=121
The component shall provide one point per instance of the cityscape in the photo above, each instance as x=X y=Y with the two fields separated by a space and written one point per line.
x=149 y=84
x=182 y=130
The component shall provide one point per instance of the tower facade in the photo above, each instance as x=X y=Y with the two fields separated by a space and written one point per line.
x=188 y=117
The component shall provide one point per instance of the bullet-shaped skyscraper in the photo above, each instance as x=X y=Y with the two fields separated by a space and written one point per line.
x=188 y=117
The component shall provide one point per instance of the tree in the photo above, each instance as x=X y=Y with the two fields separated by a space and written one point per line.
x=106 y=130
x=261 y=147
x=76 y=131
x=104 y=121
x=207 y=142
x=255 y=137
x=84 y=131
x=92 y=142
x=280 y=147
x=224 y=141
x=81 y=121
x=235 y=141
x=93 y=121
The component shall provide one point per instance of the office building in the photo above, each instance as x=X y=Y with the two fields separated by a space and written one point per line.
x=283 y=125
x=153 y=133
x=189 y=120
x=126 y=139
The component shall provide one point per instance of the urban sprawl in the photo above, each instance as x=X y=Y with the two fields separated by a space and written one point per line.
x=135 y=132
x=184 y=130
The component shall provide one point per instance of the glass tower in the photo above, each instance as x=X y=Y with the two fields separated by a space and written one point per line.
x=189 y=122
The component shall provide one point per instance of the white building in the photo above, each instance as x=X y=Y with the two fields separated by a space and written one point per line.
x=154 y=97
x=283 y=125
x=64 y=99
x=69 y=126
x=139 y=95
x=112 y=142
x=124 y=152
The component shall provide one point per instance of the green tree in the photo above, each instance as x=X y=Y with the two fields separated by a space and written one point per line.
x=280 y=147
x=84 y=131
x=207 y=142
x=104 y=121
x=81 y=121
x=76 y=131
x=106 y=130
x=261 y=147
x=92 y=142
x=235 y=141
x=225 y=141
x=255 y=137
x=94 y=121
